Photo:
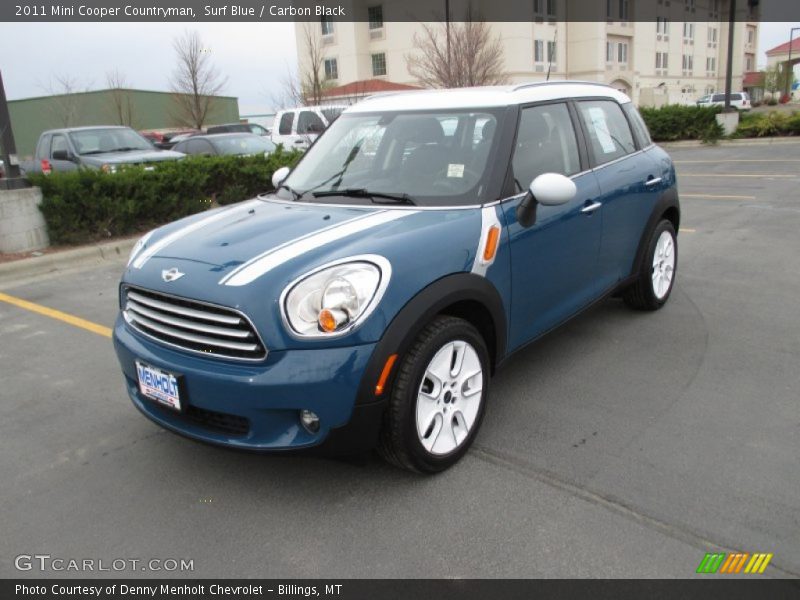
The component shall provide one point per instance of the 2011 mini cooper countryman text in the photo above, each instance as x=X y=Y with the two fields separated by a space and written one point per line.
x=421 y=240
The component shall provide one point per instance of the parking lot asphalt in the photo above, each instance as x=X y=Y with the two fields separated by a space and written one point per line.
x=623 y=444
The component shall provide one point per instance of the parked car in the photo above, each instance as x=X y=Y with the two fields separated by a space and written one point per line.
x=170 y=138
x=243 y=144
x=371 y=297
x=299 y=127
x=739 y=100
x=239 y=128
x=93 y=147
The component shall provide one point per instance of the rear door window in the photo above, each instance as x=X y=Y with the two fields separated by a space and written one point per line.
x=43 y=150
x=610 y=136
x=309 y=122
x=638 y=125
x=546 y=143
x=285 y=125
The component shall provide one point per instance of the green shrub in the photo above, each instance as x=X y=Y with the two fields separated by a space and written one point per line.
x=675 y=122
x=89 y=205
x=773 y=123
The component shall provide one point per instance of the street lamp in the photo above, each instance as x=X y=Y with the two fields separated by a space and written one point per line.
x=789 y=69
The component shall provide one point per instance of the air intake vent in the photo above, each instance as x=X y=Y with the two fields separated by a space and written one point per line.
x=190 y=325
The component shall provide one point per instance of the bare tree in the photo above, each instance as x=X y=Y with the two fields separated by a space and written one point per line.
x=65 y=103
x=121 y=104
x=472 y=56
x=308 y=86
x=195 y=82
x=289 y=93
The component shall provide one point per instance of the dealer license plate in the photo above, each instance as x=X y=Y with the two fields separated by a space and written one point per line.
x=158 y=385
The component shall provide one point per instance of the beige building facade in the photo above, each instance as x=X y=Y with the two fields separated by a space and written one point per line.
x=677 y=56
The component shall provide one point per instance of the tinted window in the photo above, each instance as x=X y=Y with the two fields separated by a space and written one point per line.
x=736 y=96
x=285 y=127
x=59 y=144
x=610 y=136
x=331 y=114
x=243 y=144
x=257 y=129
x=545 y=144
x=638 y=125
x=718 y=98
x=197 y=147
x=309 y=122
x=43 y=150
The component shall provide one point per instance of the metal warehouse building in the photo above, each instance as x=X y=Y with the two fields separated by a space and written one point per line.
x=141 y=109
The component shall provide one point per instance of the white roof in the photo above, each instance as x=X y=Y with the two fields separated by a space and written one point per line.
x=490 y=96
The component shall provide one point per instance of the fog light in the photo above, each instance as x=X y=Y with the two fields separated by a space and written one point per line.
x=310 y=421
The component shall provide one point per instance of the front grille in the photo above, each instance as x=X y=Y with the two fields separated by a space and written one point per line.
x=191 y=325
x=209 y=419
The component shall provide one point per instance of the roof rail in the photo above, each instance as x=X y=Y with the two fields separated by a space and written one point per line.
x=531 y=84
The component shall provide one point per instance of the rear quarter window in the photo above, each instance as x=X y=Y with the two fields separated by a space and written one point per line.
x=638 y=125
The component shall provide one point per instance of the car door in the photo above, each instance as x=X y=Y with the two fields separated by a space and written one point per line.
x=59 y=153
x=309 y=126
x=553 y=261
x=629 y=184
x=283 y=133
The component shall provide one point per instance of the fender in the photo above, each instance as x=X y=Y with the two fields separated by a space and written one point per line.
x=668 y=201
x=418 y=312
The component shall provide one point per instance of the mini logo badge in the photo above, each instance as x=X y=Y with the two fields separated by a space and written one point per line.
x=171 y=274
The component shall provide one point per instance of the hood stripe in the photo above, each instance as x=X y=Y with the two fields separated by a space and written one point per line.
x=258 y=266
x=148 y=252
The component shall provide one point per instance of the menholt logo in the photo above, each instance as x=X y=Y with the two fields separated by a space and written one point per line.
x=734 y=562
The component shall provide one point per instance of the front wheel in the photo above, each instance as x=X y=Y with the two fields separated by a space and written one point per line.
x=438 y=398
x=656 y=276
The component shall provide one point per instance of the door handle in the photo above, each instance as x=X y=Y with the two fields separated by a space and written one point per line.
x=651 y=181
x=299 y=142
x=589 y=208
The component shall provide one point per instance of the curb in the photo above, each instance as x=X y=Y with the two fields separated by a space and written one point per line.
x=85 y=256
x=766 y=141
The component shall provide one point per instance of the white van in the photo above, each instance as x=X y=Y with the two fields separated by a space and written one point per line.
x=739 y=100
x=299 y=127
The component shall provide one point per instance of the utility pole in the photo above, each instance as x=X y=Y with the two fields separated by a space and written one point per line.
x=12 y=179
x=447 y=33
x=729 y=66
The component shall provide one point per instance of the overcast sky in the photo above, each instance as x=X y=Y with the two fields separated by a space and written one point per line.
x=254 y=56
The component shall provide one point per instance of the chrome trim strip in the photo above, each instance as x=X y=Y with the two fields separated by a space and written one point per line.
x=652 y=182
x=148 y=252
x=384 y=266
x=592 y=207
x=182 y=310
x=176 y=322
x=197 y=339
x=259 y=266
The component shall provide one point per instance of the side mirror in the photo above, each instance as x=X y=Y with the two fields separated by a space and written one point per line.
x=279 y=175
x=62 y=155
x=548 y=189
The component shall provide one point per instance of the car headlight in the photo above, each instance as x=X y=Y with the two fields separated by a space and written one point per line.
x=336 y=297
x=139 y=245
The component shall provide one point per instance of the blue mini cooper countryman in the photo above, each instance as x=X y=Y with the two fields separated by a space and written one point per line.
x=419 y=242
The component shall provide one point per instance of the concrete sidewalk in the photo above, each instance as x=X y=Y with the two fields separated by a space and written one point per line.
x=764 y=141
x=65 y=260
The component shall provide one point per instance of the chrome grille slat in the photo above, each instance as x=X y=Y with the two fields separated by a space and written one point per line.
x=190 y=337
x=192 y=325
x=180 y=310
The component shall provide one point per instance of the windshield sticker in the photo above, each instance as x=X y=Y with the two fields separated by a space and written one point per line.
x=455 y=170
x=601 y=129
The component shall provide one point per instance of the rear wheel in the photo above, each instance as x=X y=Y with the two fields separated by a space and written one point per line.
x=657 y=273
x=438 y=398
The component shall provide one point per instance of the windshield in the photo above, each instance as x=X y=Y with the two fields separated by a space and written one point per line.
x=435 y=158
x=100 y=141
x=242 y=144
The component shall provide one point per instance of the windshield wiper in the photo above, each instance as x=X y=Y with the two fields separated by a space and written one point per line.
x=128 y=149
x=297 y=195
x=365 y=193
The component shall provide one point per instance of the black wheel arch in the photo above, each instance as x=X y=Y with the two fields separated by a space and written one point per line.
x=464 y=295
x=667 y=207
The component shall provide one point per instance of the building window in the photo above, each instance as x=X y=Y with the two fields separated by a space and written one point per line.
x=689 y=4
x=662 y=60
x=662 y=25
x=327 y=25
x=711 y=64
x=622 y=53
x=623 y=10
x=543 y=8
x=331 y=69
x=688 y=31
x=538 y=51
x=609 y=52
x=688 y=62
x=375 y=15
x=751 y=35
x=378 y=64
x=749 y=62
x=712 y=34
x=551 y=52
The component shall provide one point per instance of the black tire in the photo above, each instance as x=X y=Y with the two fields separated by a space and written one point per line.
x=641 y=295
x=399 y=442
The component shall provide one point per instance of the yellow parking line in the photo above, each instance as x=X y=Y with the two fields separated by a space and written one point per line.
x=718 y=196
x=687 y=230
x=56 y=314
x=760 y=175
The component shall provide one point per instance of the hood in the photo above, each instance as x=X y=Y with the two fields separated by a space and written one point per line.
x=245 y=255
x=133 y=157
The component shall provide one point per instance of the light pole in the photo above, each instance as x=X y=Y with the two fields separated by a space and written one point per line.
x=12 y=179
x=729 y=66
x=789 y=69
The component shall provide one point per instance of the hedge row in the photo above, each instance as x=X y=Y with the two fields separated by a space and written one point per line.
x=88 y=205
x=773 y=123
x=675 y=122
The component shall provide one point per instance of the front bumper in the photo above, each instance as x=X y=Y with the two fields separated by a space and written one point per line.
x=256 y=406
